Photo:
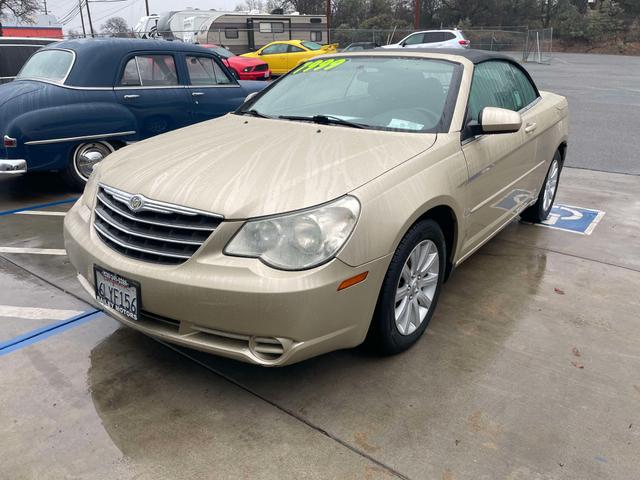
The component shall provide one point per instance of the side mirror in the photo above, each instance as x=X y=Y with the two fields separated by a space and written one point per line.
x=250 y=96
x=499 y=120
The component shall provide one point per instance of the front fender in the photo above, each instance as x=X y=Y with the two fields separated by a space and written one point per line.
x=392 y=203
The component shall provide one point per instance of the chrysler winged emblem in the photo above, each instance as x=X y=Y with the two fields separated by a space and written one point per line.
x=136 y=203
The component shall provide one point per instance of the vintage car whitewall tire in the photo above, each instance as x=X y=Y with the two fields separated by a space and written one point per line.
x=85 y=157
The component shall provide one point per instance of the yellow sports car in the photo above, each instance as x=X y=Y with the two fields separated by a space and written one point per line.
x=285 y=55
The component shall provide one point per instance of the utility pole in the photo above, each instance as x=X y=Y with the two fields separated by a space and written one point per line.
x=89 y=15
x=146 y=5
x=328 y=12
x=84 y=31
x=416 y=15
x=45 y=8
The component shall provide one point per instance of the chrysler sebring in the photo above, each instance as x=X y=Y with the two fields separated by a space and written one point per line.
x=327 y=211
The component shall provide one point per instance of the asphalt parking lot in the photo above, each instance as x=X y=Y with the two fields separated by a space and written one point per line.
x=530 y=368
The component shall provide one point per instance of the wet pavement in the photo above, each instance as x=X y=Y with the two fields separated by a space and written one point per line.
x=529 y=369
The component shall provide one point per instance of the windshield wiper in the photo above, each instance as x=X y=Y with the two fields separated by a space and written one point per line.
x=324 y=120
x=255 y=113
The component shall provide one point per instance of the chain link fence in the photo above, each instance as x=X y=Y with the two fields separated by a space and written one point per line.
x=531 y=45
x=538 y=46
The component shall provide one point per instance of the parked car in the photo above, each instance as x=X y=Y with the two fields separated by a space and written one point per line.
x=75 y=102
x=242 y=67
x=14 y=52
x=286 y=55
x=359 y=46
x=328 y=210
x=433 y=39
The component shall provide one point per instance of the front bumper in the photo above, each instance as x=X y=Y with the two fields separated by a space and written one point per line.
x=235 y=307
x=12 y=167
x=264 y=75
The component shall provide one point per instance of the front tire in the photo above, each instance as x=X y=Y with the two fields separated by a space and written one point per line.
x=539 y=211
x=84 y=157
x=410 y=289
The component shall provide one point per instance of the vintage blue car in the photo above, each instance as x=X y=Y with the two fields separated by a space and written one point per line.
x=76 y=101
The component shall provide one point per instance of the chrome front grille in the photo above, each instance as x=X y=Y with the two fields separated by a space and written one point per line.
x=149 y=230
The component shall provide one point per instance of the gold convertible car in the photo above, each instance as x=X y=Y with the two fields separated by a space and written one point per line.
x=327 y=211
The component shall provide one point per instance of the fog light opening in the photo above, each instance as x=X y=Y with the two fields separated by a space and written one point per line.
x=350 y=282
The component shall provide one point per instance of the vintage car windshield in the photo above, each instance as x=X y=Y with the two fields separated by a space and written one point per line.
x=51 y=65
x=381 y=92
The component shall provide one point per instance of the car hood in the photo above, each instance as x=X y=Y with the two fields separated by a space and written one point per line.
x=244 y=61
x=242 y=167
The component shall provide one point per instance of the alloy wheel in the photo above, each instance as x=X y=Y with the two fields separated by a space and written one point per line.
x=416 y=287
x=551 y=185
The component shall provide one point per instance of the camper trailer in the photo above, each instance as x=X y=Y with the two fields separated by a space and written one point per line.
x=182 y=25
x=246 y=32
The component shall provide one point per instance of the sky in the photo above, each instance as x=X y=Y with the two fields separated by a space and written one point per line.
x=130 y=10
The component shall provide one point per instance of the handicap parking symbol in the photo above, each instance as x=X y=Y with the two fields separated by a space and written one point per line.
x=573 y=219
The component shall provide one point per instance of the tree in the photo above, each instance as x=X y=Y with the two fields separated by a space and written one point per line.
x=116 y=27
x=22 y=10
x=74 y=34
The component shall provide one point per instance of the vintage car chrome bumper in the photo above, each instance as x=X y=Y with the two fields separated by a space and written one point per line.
x=12 y=167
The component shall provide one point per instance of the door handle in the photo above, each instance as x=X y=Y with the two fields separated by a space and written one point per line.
x=530 y=127
x=131 y=97
x=197 y=94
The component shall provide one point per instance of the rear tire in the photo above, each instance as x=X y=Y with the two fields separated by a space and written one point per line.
x=84 y=157
x=539 y=211
x=410 y=290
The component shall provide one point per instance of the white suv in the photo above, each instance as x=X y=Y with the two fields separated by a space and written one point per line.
x=433 y=39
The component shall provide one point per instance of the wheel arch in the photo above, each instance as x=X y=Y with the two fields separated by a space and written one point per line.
x=445 y=216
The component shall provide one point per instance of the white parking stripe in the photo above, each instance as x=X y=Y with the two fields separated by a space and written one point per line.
x=31 y=313
x=35 y=251
x=42 y=212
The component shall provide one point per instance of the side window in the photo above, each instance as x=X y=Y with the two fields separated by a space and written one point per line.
x=494 y=85
x=205 y=71
x=414 y=39
x=150 y=71
x=275 y=49
x=526 y=90
x=447 y=36
x=231 y=33
x=294 y=49
x=433 y=37
x=130 y=76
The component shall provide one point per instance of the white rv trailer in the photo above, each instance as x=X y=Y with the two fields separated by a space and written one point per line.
x=246 y=32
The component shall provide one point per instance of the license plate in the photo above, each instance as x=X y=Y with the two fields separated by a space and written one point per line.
x=266 y=74
x=117 y=293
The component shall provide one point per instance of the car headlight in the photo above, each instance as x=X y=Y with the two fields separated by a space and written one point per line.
x=299 y=240
x=247 y=69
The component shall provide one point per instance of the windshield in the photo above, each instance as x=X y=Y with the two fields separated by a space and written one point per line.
x=52 y=65
x=311 y=45
x=386 y=93
x=223 y=52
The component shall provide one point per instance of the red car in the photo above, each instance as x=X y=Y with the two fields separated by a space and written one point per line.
x=245 y=68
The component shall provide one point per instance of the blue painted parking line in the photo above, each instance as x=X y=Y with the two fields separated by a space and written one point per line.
x=573 y=219
x=37 y=207
x=47 y=331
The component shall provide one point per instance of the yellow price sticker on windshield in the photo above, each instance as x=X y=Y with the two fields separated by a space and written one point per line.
x=321 y=65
